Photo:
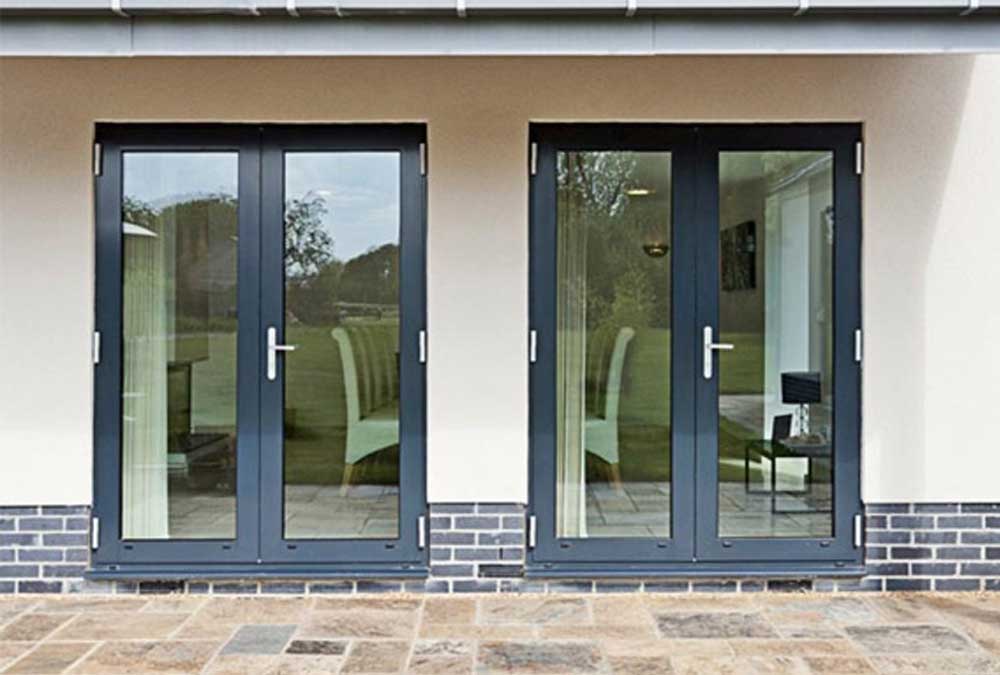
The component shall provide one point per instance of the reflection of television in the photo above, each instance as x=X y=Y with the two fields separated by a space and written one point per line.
x=739 y=256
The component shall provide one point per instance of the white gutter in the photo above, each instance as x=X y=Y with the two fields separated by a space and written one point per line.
x=463 y=8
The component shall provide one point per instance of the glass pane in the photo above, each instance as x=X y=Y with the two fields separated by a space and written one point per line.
x=776 y=307
x=342 y=311
x=613 y=344
x=179 y=249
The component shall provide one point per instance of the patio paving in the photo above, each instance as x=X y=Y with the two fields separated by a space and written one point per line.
x=940 y=634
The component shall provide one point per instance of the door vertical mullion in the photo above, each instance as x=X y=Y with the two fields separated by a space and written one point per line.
x=683 y=343
x=248 y=352
x=707 y=314
x=271 y=301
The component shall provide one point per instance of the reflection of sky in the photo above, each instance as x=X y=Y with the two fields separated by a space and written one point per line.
x=361 y=191
x=164 y=178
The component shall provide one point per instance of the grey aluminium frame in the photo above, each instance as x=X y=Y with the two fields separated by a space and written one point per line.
x=695 y=303
x=260 y=290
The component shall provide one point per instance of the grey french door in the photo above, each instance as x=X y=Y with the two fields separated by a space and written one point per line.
x=259 y=385
x=695 y=306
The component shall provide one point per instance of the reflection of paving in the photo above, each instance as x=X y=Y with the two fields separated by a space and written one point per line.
x=311 y=511
x=531 y=633
x=747 y=410
x=643 y=510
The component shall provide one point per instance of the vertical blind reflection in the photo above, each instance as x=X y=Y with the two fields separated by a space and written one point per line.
x=179 y=243
x=776 y=306
x=341 y=449
x=613 y=344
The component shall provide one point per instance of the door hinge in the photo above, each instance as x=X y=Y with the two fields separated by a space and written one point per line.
x=532 y=346
x=422 y=346
x=859 y=531
x=95 y=532
x=97 y=159
x=96 y=347
x=422 y=532
x=859 y=157
x=534 y=159
x=858 y=346
x=532 y=531
x=423 y=159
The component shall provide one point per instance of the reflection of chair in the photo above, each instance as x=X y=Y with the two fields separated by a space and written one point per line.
x=371 y=389
x=782 y=447
x=601 y=431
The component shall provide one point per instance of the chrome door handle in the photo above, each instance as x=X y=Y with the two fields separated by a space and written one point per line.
x=708 y=347
x=272 y=352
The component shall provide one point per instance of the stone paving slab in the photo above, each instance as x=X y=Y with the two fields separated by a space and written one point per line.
x=630 y=634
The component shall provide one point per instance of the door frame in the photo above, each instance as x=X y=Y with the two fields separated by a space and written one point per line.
x=548 y=140
x=841 y=140
x=406 y=140
x=114 y=558
x=695 y=300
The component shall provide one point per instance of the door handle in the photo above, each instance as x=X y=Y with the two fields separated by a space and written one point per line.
x=708 y=347
x=272 y=352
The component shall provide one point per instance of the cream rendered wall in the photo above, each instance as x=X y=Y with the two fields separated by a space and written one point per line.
x=931 y=209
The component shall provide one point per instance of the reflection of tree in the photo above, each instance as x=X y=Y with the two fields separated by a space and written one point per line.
x=319 y=289
x=308 y=246
x=625 y=287
x=198 y=241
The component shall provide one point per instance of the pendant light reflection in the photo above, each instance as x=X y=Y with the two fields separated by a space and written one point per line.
x=655 y=245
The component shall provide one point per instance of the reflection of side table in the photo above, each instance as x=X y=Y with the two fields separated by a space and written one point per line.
x=787 y=448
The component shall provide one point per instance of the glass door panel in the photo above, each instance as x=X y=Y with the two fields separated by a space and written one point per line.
x=776 y=403
x=613 y=453
x=179 y=326
x=341 y=403
x=343 y=313
x=779 y=298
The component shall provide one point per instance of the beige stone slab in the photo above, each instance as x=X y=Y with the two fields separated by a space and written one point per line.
x=618 y=631
x=534 y=610
x=51 y=657
x=441 y=657
x=11 y=608
x=219 y=617
x=707 y=602
x=639 y=665
x=538 y=657
x=301 y=664
x=93 y=603
x=359 y=624
x=630 y=610
x=240 y=664
x=120 y=626
x=445 y=631
x=376 y=657
x=694 y=665
x=162 y=657
x=378 y=603
x=768 y=647
x=176 y=603
x=32 y=627
x=906 y=608
x=839 y=665
x=952 y=664
x=667 y=648
x=449 y=611
x=13 y=650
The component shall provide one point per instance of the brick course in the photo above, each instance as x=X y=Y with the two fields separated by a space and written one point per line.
x=481 y=548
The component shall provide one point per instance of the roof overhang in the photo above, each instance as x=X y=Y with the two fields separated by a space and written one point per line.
x=495 y=27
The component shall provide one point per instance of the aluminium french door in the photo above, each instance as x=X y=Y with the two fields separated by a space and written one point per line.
x=217 y=447
x=695 y=304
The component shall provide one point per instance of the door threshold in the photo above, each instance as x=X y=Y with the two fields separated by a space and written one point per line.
x=173 y=572
x=713 y=570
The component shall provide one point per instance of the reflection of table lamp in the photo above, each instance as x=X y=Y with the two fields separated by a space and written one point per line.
x=801 y=389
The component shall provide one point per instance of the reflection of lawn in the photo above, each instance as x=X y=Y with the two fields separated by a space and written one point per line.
x=644 y=428
x=314 y=400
